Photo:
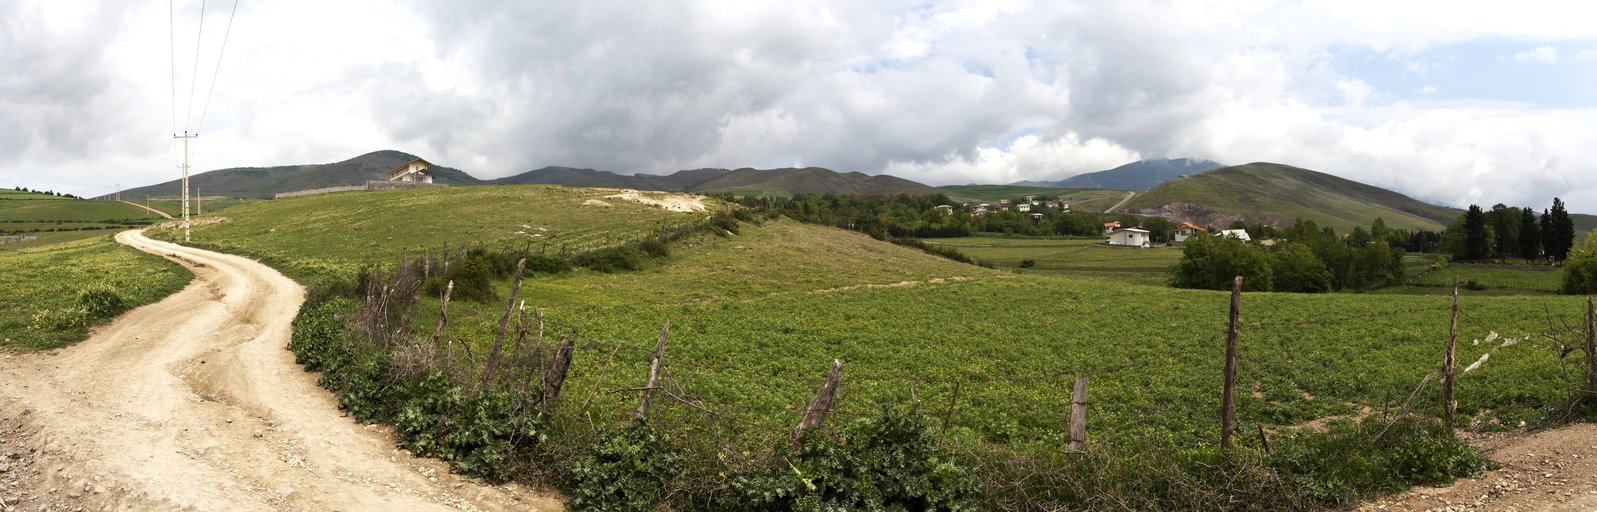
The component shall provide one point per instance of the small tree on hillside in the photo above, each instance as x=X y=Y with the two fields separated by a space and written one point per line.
x=1558 y=231
x=1504 y=223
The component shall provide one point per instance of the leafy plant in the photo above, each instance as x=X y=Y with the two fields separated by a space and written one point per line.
x=625 y=470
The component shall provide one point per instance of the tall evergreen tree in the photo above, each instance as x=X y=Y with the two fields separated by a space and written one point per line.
x=1530 y=235
x=1476 y=245
x=1505 y=230
x=1558 y=231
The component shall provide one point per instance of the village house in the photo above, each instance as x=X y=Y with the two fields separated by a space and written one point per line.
x=1239 y=234
x=1110 y=227
x=1187 y=230
x=1130 y=237
x=945 y=209
x=1023 y=207
x=414 y=171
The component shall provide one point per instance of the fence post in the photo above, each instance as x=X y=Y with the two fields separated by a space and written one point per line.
x=504 y=323
x=1228 y=412
x=555 y=376
x=443 y=316
x=1448 y=363
x=815 y=410
x=654 y=374
x=1078 y=416
x=1591 y=345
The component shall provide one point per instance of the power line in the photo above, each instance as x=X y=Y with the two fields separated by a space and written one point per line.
x=194 y=78
x=218 y=70
x=171 y=29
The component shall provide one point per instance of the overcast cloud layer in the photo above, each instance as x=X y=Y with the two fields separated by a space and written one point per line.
x=1453 y=102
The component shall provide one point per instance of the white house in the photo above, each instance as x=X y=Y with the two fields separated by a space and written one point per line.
x=1130 y=237
x=414 y=171
x=1023 y=207
x=1238 y=234
x=1187 y=230
x=945 y=209
x=1110 y=227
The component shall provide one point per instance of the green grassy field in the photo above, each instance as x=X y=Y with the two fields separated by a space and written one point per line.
x=54 y=220
x=8 y=194
x=1542 y=280
x=1077 y=258
x=342 y=231
x=70 y=210
x=174 y=207
x=40 y=303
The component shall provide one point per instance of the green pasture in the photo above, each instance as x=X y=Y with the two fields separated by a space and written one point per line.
x=42 y=301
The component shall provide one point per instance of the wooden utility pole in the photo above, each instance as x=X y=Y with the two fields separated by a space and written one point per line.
x=1591 y=345
x=1228 y=412
x=1448 y=363
x=1078 y=416
x=185 y=136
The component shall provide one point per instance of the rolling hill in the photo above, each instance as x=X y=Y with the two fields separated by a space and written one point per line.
x=264 y=182
x=809 y=180
x=1277 y=194
x=1139 y=175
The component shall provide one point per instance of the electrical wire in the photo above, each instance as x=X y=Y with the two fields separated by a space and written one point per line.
x=171 y=29
x=218 y=71
x=194 y=78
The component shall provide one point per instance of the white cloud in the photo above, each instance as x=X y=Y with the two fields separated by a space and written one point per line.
x=1541 y=54
x=1428 y=90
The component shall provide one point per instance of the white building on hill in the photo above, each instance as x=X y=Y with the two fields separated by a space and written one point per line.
x=1130 y=237
x=414 y=171
x=1238 y=234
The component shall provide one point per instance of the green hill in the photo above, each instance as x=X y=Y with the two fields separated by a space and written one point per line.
x=809 y=180
x=264 y=182
x=1277 y=194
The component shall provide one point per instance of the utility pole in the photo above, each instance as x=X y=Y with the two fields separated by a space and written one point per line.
x=185 y=136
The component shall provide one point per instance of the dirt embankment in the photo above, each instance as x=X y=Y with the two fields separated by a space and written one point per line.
x=193 y=403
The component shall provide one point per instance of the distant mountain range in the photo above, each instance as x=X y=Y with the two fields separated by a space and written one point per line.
x=264 y=182
x=1277 y=194
x=1139 y=175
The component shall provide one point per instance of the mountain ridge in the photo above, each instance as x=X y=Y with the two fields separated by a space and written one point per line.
x=1138 y=175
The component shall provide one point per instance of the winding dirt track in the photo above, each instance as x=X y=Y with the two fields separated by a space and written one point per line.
x=194 y=403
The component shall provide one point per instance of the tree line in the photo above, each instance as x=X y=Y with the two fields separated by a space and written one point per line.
x=1305 y=258
x=907 y=216
x=1507 y=232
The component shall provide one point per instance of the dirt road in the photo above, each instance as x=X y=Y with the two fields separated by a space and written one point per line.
x=1122 y=202
x=1548 y=470
x=193 y=403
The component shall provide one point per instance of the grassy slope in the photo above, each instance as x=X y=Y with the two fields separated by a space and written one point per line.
x=346 y=229
x=39 y=294
x=70 y=209
x=1281 y=193
x=7 y=193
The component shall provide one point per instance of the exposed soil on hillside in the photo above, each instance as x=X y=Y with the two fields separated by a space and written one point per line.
x=671 y=202
x=193 y=403
x=1547 y=470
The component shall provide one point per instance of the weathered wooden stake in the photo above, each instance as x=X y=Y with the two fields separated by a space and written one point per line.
x=555 y=376
x=1447 y=362
x=504 y=323
x=1591 y=345
x=952 y=401
x=815 y=410
x=1078 y=416
x=1228 y=412
x=443 y=315
x=654 y=374
x=1265 y=441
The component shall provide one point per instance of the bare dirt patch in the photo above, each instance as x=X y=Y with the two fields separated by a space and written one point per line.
x=668 y=201
x=1546 y=470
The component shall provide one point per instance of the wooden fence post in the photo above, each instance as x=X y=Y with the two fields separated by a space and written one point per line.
x=504 y=323
x=1078 y=416
x=1591 y=345
x=1448 y=363
x=815 y=410
x=1228 y=412
x=555 y=376
x=654 y=374
x=443 y=316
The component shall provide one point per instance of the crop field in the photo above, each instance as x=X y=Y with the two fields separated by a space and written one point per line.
x=344 y=230
x=1077 y=258
x=41 y=303
x=53 y=220
x=1534 y=280
x=174 y=207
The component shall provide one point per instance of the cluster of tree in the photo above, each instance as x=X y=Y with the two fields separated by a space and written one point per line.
x=1508 y=232
x=1305 y=258
x=1580 y=270
x=1408 y=240
x=46 y=192
x=901 y=216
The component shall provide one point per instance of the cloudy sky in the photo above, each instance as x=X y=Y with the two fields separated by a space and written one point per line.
x=1449 y=101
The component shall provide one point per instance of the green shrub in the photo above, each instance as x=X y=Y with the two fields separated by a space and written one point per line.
x=625 y=470
x=318 y=334
x=474 y=280
x=1028 y=263
x=655 y=247
x=609 y=261
x=101 y=301
x=887 y=463
x=489 y=430
x=420 y=422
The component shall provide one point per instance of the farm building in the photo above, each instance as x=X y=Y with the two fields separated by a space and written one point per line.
x=414 y=171
x=1131 y=237
x=1186 y=230
x=1023 y=207
x=1238 y=234
x=1110 y=227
